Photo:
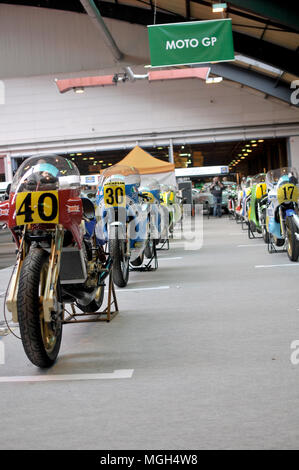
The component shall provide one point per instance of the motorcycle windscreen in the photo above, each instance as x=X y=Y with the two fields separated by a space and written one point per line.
x=35 y=188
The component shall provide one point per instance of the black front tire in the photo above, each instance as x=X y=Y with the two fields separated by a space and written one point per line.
x=150 y=248
x=41 y=341
x=265 y=232
x=292 y=242
x=120 y=267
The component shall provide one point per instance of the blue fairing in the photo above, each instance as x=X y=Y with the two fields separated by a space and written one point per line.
x=274 y=228
x=290 y=212
x=89 y=227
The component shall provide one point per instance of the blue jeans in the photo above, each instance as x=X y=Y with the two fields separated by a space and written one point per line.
x=217 y=206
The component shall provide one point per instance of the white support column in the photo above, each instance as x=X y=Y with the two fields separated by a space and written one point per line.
x=293 y=151
x=8 y=168
x=171 y=158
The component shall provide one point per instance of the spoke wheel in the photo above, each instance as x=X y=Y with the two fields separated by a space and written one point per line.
x=41 y=340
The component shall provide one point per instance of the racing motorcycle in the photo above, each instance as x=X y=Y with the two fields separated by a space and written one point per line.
x=231 y=200
x=243 y=209
x=58 y=260
x=150 y=192
x=282 y=210
x=122 y=219
x=173 y=203
x=258 y=206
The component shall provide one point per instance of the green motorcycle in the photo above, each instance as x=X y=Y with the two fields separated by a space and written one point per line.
x=257 y=208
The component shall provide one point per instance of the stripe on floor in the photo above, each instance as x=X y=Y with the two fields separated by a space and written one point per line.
x=276 y=265
x=255 y=244
x=143 y=288
x=117 y=374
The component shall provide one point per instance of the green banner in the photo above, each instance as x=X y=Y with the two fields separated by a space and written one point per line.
x=195 y=42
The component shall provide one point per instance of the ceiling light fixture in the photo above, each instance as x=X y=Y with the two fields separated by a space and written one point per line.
x=219 y=7
x=214 y=80
x=79 y=89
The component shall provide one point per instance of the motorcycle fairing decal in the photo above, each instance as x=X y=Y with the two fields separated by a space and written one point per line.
x=287 y=192
x=261 y=190
x=4 y=211
x=38 y=207
x=115 y=194
x=150 y=198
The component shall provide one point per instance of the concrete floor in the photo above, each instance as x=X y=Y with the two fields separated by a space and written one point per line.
x=211 y=359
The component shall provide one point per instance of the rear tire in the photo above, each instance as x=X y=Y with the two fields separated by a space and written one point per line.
x=292 y=242
x=120 y=267
x=150 y=248
x=138 y=261
x=41 y=340
x=265 y=232
x=279 y=241
x=96 y=303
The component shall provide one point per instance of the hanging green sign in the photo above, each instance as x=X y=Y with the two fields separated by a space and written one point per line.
x=194 y=42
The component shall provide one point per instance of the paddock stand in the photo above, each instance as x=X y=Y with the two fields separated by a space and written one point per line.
x=238 y=219
x=105 y=315
x=148 y=266
x=251 y=234
x=245 y=224
x=272 y=248
x=164 y=243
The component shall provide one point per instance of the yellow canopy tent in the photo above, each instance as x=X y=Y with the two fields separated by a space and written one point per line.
x=164 y=172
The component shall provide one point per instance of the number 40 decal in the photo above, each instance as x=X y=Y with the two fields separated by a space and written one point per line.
x=37 y=207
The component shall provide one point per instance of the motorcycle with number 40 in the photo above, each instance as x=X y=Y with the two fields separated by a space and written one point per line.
x=58 y=260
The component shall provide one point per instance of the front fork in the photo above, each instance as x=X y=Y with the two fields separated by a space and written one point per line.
x=49 y=298
x=12 y=291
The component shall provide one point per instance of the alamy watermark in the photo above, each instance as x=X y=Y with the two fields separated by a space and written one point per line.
x=2 y=92
x=295 y=93
x=295 y=354
x=156 y=222
x=2 y=353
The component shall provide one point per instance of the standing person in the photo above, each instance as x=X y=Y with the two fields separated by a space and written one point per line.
x=216 y=189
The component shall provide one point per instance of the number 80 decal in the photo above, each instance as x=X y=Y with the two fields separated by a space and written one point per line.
x=39 y=207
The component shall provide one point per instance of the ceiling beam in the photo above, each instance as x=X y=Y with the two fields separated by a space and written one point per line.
x=272 y=54
x=276 y=10
x=252 y=79
x=250 y=15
